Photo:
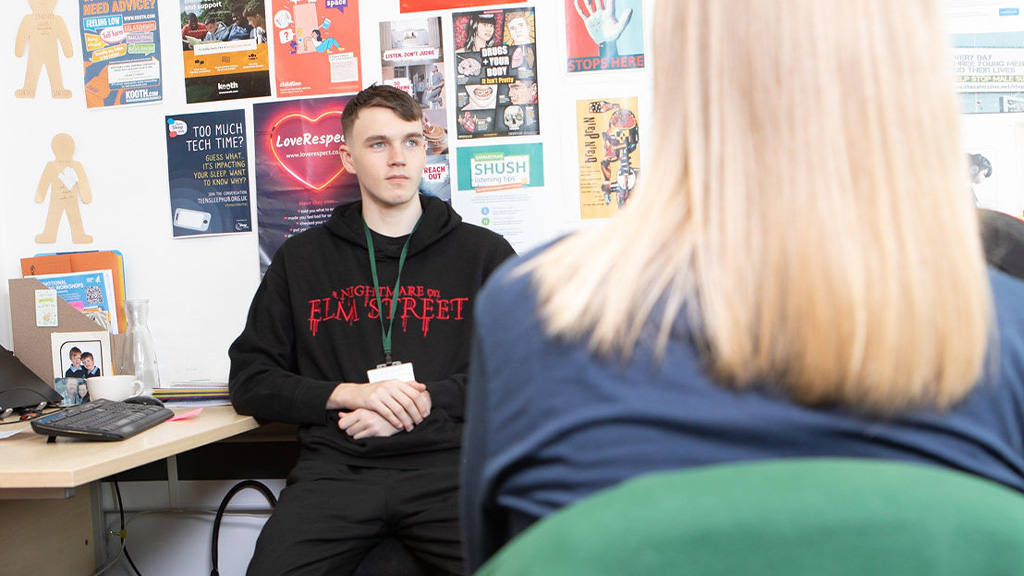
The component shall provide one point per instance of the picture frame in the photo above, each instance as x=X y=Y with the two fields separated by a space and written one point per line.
x=77 y=356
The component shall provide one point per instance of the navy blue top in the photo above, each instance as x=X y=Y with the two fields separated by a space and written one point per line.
x=549 y=423
x=71 y=372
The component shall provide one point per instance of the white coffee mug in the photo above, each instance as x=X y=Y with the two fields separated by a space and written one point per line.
x=114 y=387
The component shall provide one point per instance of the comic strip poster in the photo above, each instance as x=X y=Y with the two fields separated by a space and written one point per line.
x=429 y=5
x=224 y=47
x=412 y=59
x=121 y=52
x=208 y=173
x=316 y=47
x=299 y=175
x=609 y=157
x=604 y=35
x=500 y=187
x=496 y=73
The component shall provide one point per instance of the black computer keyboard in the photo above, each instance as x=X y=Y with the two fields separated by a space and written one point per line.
x=102 y=420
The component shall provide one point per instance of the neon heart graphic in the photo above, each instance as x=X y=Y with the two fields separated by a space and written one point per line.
x=307 y=149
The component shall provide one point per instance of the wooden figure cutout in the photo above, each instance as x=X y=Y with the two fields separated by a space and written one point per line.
x=41 y=31
x=65 y=179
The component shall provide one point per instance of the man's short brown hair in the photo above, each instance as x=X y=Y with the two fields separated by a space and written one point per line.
x=381 y=96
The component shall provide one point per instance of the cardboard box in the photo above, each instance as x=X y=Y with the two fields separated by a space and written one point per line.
x=32 y=343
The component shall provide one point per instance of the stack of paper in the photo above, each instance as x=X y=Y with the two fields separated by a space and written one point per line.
x=194 y=393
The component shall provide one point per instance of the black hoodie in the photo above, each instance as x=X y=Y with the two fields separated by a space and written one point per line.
x=313 y=323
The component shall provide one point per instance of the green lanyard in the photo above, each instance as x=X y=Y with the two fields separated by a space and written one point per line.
x=385 y=335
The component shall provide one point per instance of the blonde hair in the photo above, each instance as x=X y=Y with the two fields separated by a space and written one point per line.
x=806 y=201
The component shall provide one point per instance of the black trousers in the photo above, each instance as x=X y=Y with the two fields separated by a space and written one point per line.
x=328 y=520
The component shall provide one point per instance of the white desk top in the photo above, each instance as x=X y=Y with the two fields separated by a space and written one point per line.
x=28 y=463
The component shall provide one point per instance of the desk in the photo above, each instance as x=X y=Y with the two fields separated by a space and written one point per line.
x=40 y=534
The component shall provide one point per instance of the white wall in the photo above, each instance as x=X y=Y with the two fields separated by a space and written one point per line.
x=5 y=224
x=200 y=288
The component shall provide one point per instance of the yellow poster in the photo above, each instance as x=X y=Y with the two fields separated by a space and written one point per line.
x=609 y=158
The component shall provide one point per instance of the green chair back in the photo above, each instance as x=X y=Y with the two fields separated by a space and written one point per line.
x=799 y=517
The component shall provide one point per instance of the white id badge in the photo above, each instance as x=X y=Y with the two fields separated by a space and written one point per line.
x=395 y=370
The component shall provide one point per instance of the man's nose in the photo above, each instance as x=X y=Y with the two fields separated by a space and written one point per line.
x=396 y=156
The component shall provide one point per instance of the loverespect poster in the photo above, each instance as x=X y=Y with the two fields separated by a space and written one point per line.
x=121 y=52
x=412 y=59
x=224 y=50
x=604 y=35
x=316 y=47
x=496 y=73
x=501 y=188
x=609 y=155
x=208 y=173
x=299 y=175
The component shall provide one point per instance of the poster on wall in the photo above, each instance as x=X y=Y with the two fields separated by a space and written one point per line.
x=608 y=154
x=412 y=59
x=316 y=47
x=299 y=176
x=496 y=73
x=484 y=169
x=500 y=187
x=121 y=52
x=428 y=5
x=604 y=35
x=989 y=72
x=988 y=62
x=208 y=173
x=224 y=49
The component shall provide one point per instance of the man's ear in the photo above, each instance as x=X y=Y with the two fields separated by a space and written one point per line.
x=346 y=159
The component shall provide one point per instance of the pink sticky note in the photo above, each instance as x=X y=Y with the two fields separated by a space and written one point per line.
x=185 y=415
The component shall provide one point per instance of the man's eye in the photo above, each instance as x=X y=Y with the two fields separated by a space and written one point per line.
x=377 y=145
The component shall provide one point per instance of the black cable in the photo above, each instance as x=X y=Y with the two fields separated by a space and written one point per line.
x=223 y=506
x=21 y=420
x=120 y=509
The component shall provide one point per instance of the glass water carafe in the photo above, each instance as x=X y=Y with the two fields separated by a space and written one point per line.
x=140 y=352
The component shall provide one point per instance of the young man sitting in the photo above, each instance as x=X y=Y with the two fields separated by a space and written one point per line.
x=390 y=278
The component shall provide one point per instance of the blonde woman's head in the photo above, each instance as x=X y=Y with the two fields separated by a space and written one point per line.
x=805 y=196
